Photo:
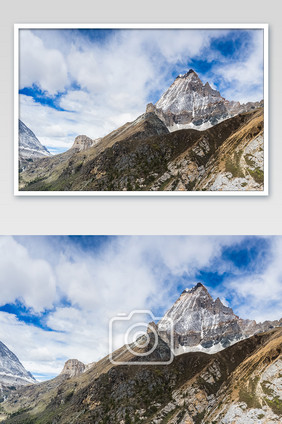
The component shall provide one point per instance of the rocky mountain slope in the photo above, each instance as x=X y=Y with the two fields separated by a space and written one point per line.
x=241 y=384
x=203 y=324
x=72 y=368
x=30 y=147
x=144 y=156
x=12 y=372
x=188 y=103
x=60 y=172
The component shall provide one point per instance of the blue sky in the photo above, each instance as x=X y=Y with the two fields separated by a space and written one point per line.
x=92 y=81
x=59 y=293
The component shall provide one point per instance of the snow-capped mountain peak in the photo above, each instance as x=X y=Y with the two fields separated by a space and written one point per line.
x=30 y=147
x=189 y=103
x=201 y=323
x=12 y=372
x=196 y=287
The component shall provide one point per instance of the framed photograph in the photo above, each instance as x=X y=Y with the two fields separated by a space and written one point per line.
x=141 y=109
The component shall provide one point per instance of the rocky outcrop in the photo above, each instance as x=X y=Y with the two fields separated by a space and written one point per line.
x=82 y=142
x=73 y=368
x=188 y=103
x=201 y=323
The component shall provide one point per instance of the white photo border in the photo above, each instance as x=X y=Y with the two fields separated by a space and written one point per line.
x=263 y=26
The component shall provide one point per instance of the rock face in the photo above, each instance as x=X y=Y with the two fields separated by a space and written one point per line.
x=82 y=142
x=188 y=103
x=73 y=368
x=12 y=372
x=204 y=324
x=30 y=147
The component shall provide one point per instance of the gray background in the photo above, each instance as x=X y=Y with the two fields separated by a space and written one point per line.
x=139 y=215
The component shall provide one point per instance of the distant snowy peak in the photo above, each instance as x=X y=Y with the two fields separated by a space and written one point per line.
x=203 y=324
x=29 y=146
x=188 y=103
x=12 y=372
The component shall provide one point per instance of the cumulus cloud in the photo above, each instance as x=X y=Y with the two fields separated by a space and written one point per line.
x=22 y=277
x=258 y=295
x=61 y=127
x=40 y=351
x=44 y=67
x=243 y=77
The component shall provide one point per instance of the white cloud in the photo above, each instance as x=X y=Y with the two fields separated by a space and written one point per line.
x=258 y=295
x=22 y=277
x=44 y=352
x=244 y=77
x=39 y=65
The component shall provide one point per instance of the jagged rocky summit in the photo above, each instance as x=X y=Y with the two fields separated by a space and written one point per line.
x=188 y=103
x=204 y=324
